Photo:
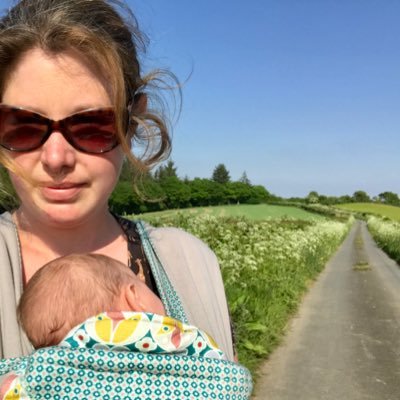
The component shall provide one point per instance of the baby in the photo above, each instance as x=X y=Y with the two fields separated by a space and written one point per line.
x=92 y=301
x=70 y=289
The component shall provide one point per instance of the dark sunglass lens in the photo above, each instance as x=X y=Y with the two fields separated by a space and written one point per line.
x=20 y=130
x=93 y=138
x=93 y=131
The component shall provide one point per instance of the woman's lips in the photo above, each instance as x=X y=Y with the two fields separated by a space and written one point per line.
x=64 y=192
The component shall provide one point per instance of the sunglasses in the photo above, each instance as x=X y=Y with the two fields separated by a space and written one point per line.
x=90 y=131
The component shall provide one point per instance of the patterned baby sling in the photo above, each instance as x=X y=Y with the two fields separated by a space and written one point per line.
x=103 y=373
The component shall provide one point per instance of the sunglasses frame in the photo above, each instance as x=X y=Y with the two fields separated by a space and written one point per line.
x=60 y=126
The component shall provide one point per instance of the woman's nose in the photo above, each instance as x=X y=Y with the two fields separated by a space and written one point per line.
x=57 y=155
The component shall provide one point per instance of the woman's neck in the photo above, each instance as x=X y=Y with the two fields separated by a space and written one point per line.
x=89 y=235
x=41 y=243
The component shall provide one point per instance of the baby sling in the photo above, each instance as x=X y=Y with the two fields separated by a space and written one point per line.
x=88 y=373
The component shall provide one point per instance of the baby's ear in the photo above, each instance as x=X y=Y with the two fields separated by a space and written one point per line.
x=140 y=298
x=129 y=300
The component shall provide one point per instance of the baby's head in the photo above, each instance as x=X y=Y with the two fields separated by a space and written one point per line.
x=70 y=289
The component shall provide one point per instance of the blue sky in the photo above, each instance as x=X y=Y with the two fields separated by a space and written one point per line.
x=302 y=95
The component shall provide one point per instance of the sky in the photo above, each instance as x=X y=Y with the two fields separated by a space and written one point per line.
x=301 y=94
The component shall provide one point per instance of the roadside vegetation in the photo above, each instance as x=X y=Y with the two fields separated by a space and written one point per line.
x=266 y=265
x=387 y=235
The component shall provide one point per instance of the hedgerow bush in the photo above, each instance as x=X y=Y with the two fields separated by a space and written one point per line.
x=387 y=235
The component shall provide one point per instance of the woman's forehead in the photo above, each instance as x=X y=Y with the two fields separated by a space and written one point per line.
x=56 y=82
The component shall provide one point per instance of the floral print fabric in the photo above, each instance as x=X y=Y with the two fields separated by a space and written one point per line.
x=144 y=332
x=128 y=355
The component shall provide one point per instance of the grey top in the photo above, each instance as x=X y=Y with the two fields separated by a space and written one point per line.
x=190 y=265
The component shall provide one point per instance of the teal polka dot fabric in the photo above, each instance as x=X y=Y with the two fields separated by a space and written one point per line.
x=72 y=374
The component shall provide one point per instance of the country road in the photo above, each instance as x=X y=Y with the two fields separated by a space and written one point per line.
x=344 y=343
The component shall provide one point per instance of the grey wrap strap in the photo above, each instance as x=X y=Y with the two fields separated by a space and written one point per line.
x=169 y=297
x=13 y=342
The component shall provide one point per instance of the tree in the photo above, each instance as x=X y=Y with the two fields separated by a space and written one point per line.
x=389 y=198
x=124 y=200
x=313 y=197
x=238 y=192
x=166 y=171
x=221 y=174
x=217 y=193
x=360 y=196
x=200 y=192
x=244 y=179
x=177 y=192
x=329 y=200
x=127 y=171
x=345 y=199
x=259 y=194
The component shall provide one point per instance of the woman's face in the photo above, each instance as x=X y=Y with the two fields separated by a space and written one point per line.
x=72 y=186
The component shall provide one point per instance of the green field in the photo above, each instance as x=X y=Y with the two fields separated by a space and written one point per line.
x=383 y=210
x=255 y=212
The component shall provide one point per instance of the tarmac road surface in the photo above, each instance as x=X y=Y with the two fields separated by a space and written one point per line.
x=345 y=341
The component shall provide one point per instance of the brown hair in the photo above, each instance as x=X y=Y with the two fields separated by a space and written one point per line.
x=106 y=33
x=67 y=291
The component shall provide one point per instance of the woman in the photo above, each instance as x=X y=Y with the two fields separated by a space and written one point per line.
x=73 y=103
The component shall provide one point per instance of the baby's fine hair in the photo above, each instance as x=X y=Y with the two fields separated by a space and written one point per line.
x=107 y=35
x=67 y=291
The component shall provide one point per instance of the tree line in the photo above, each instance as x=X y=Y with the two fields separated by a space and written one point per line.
x=359 y=196
x=164 y=189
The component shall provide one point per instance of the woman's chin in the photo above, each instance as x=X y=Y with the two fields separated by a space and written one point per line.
x=59 y=215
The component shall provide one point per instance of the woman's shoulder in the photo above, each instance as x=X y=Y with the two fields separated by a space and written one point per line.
x=177 y=240
x=172 y=233
x=9 y=244
x=12 y=340
x=8 y=233
x=6 y=223
x=170 y=239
